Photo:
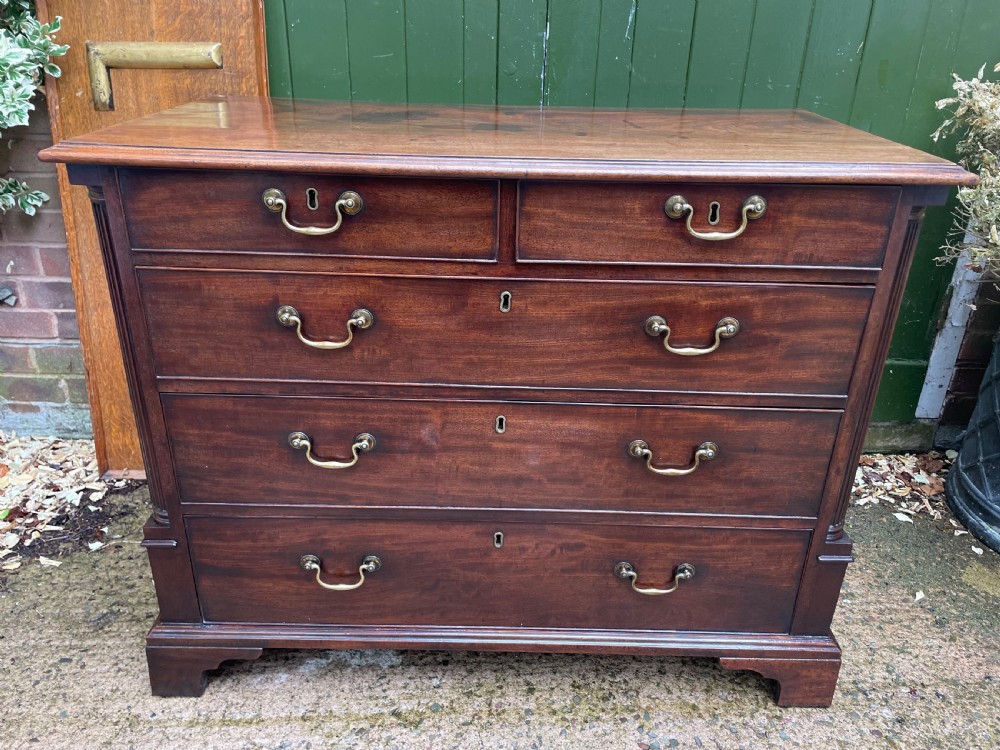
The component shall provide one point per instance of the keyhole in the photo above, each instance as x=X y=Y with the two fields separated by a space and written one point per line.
x=498 y=539
x=713 y=213
x=312 y=199
x=505 y=298
x=501 y=424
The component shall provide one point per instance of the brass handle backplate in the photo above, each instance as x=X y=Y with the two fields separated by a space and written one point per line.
x=683 y=572
x=370 y=564
x=363 y=443
x=677 y=206
x=704 y=452
x=289 y=317
x=349 y=203
x=724 y=329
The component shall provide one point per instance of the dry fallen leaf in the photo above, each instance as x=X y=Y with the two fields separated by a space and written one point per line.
x=903 y=517
x=48 y=562
x=919 y=596
x=978 y=550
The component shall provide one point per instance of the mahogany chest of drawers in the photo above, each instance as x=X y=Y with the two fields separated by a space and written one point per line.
x=501 y=379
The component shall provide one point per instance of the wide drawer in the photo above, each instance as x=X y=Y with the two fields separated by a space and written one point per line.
x=453 y=573
x=627 y=223
x=797 y=339
x=450 y=453
x=400 y=218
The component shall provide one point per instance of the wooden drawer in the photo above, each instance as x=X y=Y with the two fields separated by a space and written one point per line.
x=449 y=453
x=451 y=573
x=401 y=218
x=797 y=339
x=626 y=223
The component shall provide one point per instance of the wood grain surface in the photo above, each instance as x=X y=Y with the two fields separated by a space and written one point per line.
x=543 y=576
x=528 y=142
x=448 y=454
x=793 y=338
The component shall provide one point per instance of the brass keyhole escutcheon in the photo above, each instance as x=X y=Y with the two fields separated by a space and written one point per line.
x=505 y=300
x=498 y=539
x=500 y=425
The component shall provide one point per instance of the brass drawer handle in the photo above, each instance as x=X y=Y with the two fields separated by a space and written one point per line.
x=363 y=443
x=349 y=202
x=369 y=565
x=683 y=572
x=288 y=316
x=705 y=452
x=724 y=329
x=677 y=205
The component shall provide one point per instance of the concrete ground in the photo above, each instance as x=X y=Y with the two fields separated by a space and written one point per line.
x=916 y=674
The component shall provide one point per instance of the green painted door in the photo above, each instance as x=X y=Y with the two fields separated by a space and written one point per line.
x=878 y=65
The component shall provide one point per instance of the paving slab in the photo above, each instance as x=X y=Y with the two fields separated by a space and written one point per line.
x=916 y=674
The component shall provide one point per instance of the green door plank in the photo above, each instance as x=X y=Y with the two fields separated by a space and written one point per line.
x=480 y=41
x=777 y=46
x=660 y=53
x=521 y=51
x=889 y=65
x=719 y=49
x=377 y=44
x=833 y=57
x=614 y=53
x=435 y=51
x=573 y=43
x=317 y=43
x=279 y=72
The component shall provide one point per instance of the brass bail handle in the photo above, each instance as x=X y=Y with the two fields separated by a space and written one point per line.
x=724 y=329
x=363 y=443
x=683 y=572
x=289 y=317
x=370 y=564
x=349 y=203
x=677 y=206
x=704 y=452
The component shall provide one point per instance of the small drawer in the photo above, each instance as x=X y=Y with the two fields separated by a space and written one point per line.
x=438 y=572
x=226 y=211
x=795 y=339
x=628 y=223
x=499 y=454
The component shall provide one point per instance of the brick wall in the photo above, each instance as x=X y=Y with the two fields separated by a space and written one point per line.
x=42 y=388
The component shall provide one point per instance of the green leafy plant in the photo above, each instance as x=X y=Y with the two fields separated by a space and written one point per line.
x=26 y=51
x=975 y=114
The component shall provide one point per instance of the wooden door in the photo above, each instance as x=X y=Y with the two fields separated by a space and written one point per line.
x=237 y=26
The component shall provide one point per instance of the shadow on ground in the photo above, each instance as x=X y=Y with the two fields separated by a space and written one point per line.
x=916 y=674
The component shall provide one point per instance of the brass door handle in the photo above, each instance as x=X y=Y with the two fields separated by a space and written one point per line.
x=363 y=443
x=103 y=56
x=349 y=203
x=683 y=572
x=370 y=564
x=724 y=329
x=704 y=452
x=677 y=205
x=289 y=317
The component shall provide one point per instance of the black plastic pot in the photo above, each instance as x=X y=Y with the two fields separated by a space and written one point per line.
x=973 y=485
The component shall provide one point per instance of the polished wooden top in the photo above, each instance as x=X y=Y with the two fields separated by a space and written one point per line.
x=477 y=141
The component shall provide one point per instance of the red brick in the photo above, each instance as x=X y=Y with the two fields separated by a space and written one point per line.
x=44 y=226
x=47 y=295
x=32 y=389
x=58 y=359
x=54 y=261
x=66 y=325
x=24 y=156
x=76 y=388
x=16 y=358
x=19 y=260
x=27 y=324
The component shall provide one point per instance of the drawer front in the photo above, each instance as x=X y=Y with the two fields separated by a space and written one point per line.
x=796 y=339
x=450 y=453
x=626 y=223
x=452 y=573
x=400 y=218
